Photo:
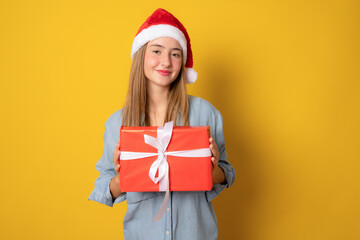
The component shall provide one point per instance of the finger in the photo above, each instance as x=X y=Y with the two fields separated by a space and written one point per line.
x=117 y=158
x=117 y=155
x=117 y=168
x=212 y=141
x=116 y=149
x=214 y=161
x=214 y=151
x=117 y=145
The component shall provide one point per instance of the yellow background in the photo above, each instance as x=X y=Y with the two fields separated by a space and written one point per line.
x=284 y=74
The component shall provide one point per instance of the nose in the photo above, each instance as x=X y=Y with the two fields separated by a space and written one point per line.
x=166 y=60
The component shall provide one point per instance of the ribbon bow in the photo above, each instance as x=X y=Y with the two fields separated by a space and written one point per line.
x=160 y=143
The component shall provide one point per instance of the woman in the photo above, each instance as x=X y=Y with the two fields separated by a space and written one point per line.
x=162 y=65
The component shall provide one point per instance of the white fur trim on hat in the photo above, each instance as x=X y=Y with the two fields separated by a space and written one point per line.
x=158 y=31
x=191 y=75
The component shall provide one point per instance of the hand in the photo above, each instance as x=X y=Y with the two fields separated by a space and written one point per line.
x=217 y=172
x=115 y=181
x=116 y=159
x=215 y=152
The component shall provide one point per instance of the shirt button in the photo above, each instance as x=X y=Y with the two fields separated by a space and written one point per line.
x=167 y=232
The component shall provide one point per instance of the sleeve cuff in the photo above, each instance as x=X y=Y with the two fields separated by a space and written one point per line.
x=229 y=174
x=105 y=196
x=218 y=188
x=215 y=191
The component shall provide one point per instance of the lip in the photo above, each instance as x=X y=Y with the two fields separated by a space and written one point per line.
x=163 y=72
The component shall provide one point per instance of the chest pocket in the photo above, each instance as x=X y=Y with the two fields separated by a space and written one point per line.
x=136 y=197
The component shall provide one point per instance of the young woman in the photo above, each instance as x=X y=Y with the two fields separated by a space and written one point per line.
x=161 y=68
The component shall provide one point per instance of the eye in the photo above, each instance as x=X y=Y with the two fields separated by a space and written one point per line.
x=156 y=51
x=176 y=55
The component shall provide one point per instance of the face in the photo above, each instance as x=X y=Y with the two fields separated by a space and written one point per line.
x=163 y=60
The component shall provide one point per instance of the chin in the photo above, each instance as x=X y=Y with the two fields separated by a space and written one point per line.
x=162 y=80
x=161 y=83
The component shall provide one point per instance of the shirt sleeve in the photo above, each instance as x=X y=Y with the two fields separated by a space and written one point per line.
x=228 y=169
x=105 y=166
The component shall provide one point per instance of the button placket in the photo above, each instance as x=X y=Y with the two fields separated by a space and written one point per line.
x=169 y=223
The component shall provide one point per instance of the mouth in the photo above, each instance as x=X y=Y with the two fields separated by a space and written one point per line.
x=163 y=72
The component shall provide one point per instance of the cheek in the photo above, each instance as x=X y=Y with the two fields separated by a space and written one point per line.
x=177 y=64
x=150 y=62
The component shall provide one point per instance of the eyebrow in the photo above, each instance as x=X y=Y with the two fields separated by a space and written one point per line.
x=158 y=45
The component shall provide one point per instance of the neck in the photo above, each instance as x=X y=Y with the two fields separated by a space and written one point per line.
x=157 y=98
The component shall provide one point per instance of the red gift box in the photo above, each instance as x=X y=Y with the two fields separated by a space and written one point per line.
x=190 y=173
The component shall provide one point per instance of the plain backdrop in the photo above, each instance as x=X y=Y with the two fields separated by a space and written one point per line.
x=284 y=75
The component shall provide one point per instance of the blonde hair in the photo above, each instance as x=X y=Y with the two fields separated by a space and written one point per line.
x=135 y=110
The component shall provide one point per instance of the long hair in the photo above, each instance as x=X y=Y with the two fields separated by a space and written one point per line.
x=135 y=110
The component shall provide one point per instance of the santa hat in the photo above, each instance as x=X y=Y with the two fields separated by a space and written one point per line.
x=163 y=24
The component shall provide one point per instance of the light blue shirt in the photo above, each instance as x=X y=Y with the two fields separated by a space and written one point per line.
x=189 y=215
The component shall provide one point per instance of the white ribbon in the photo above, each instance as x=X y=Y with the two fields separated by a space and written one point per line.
x=161 y=165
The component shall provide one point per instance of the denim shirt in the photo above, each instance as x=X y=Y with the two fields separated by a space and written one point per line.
x=189 y=215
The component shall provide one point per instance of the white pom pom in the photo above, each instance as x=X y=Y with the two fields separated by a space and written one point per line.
x=191 y=75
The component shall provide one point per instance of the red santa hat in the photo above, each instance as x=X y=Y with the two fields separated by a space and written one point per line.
x=163 y=24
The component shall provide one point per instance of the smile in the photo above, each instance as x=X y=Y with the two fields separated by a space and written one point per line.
x=163 y=72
